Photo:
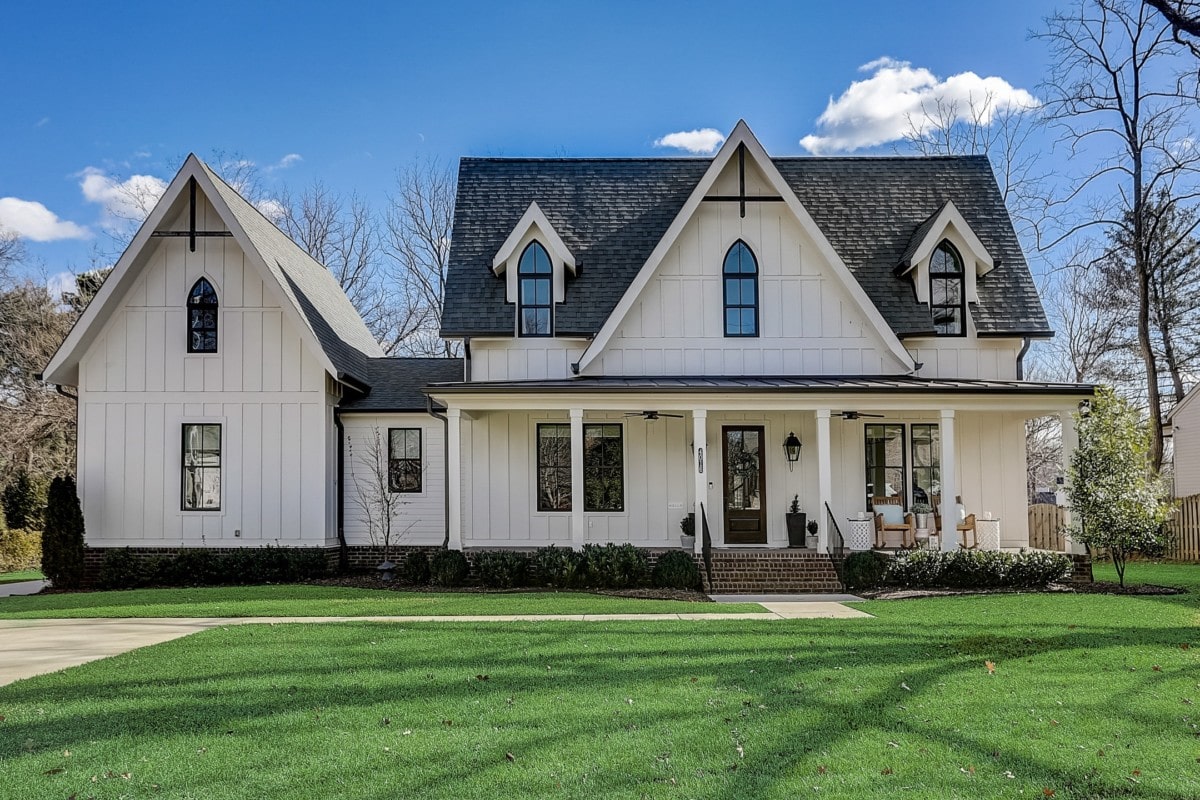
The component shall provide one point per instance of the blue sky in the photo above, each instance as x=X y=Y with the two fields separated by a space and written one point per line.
x=112 y=90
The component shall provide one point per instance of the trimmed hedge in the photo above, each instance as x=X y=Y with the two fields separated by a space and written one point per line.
x=555 y=567
x=614 y=566
x=20 y=549
x=415 y=567
x=502 y=569
x=449 y=568
x=676 y=570
x=122 y=569
x=864 y=570
x=977 y=569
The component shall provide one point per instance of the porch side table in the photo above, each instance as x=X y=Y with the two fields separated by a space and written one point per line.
x=860 y=533
x=988 y=531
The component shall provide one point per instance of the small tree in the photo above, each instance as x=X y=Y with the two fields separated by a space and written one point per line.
x=62 y=537
x=380 y=506
x=24 y=501
x=1118 y=501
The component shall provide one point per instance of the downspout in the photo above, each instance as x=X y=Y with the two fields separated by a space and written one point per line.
x=343 y=549
x=466 y=359
x=1025 y=343
x=446 y=465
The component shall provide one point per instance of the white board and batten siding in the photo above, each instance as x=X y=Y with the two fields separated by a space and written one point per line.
x=1185 y=445
x=139 y=385
x=421 y=519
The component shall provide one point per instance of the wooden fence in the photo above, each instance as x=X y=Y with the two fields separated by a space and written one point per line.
x=1046 y=524
x=1185 y=530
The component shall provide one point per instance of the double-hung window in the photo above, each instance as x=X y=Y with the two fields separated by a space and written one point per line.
x=553 y=467
x=947 y=298
x=404 y=460
x=535 y=289
x=201 y=467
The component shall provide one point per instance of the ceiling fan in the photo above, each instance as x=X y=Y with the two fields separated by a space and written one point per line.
x=650 y=416
x=857 y=415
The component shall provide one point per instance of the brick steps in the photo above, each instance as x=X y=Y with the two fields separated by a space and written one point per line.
x=771 y=572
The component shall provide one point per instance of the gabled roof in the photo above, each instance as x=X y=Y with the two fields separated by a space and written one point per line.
x=308 y=293
x=396 y=383
x=612 y=213
x=929 y=234
x=533 y=216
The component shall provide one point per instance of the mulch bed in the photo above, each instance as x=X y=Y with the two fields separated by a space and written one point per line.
x=1096 y=587
x=373 y=582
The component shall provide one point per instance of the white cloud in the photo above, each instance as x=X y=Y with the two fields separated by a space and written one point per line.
x=701 y=140
x=289 y=160
x=123 y=201
x=898 y=97
x=32 y=220
x=61 y=283
x=271 y=209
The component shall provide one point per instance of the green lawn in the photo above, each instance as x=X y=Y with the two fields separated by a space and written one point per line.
x=332 y=601
x=24 y=575
x=1092 y=697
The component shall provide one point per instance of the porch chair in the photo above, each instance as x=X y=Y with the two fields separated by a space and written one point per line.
x=890 y=517
x=967 y=526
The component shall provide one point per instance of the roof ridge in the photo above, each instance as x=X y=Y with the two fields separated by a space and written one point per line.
x=695 y=159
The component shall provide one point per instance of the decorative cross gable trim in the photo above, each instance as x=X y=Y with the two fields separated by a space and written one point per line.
x=742 y=141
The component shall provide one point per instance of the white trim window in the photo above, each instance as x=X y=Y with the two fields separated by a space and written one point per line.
x=201 y=466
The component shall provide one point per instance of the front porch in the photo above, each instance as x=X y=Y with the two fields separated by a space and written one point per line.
x=595 y=461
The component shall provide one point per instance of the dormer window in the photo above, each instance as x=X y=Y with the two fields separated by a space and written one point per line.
x=741 y=291
x=535 y=279
x=947 y=298
x=202 y=318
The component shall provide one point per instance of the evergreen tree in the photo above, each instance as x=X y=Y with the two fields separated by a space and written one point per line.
x=24 y=501
x=62 y=537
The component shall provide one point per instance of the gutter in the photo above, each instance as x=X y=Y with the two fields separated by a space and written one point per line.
x=446 y=462
x=343 y=549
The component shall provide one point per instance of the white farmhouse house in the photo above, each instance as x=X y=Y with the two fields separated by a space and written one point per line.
x=644 y=339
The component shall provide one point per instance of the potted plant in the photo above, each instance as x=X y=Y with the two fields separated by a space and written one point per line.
x=812 y=534
x=922 y=511
x=687 y=539
x=795 y=523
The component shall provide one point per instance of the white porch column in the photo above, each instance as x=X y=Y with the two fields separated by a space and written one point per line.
x=454 y=475
x=824 y=477
x=1070 y=442
x=949 y=532
x=701 y=465
x=577 y=522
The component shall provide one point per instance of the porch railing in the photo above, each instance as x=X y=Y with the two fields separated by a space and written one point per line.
x=706 y=545
x=836 y=545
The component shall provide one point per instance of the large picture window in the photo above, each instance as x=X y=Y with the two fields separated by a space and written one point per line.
x=553 y=467
x=947 y=300
x=404 y=460
x=741 y=291
x=885 y=462
x=926 y=467
x=603 y=468
x=534 y=291
x=202 y=318
x=201 y=467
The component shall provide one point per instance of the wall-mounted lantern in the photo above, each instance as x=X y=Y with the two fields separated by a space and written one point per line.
x=791 y=449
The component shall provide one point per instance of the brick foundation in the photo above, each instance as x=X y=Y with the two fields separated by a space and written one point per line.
x=771 y=572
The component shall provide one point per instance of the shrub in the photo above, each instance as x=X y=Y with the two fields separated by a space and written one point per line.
x=864 y=570
x=62 y=538
x=20 y=549
x=676 y=570
x=614 y=566
x=555 y=567
x=24 y=501
x=449 y=568
x=502 y=569
x=977 y=569
x=415 y=568
x=121 y=569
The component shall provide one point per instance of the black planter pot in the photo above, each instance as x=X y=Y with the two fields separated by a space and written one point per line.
x=796 y=529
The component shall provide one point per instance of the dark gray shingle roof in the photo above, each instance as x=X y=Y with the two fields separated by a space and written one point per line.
x=611 y=213
x=396 y=383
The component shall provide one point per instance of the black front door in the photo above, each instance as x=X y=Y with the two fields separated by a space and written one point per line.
x=745 y=485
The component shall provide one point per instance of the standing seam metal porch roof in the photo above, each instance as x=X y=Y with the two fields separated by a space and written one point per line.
x=612 y=213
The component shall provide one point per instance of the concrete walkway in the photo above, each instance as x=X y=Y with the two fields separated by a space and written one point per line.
x=22 y=587
x=31 y=647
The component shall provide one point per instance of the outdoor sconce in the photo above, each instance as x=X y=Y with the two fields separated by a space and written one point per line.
x=791 y=449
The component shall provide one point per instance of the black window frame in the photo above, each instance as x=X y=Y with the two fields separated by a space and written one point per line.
x=399 y=465
x=903 y=465
x=591 y=469
x=185 y=468
x=740 y=277
x=933 y=437
x=197 y=308
x=535 y=278
x=558 y=469
x=948 y=278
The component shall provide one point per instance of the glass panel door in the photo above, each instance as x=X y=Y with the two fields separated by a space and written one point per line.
x=745 y=486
